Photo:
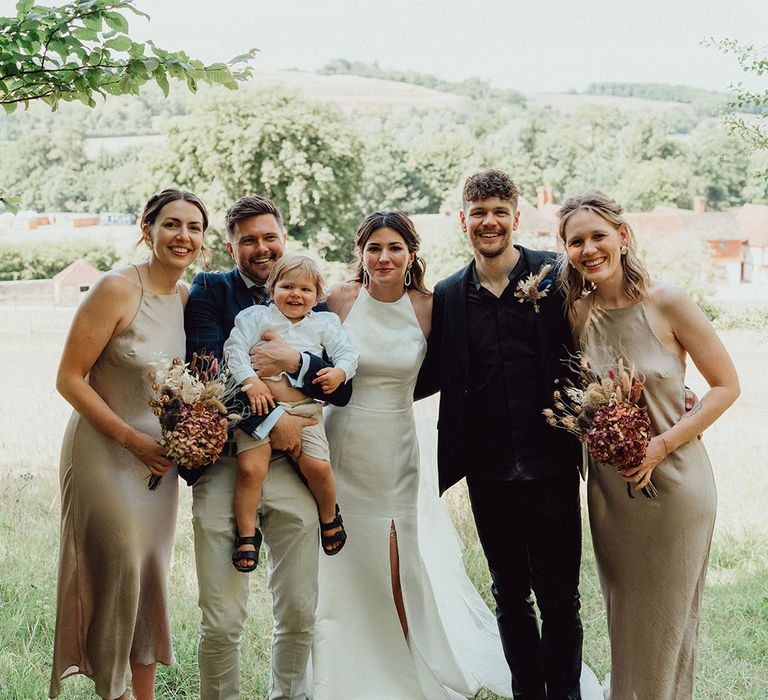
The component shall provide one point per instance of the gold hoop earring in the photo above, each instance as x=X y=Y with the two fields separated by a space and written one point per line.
x=407 y=279
x=366 y=278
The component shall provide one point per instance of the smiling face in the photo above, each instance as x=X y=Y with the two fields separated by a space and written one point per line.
x=593 y=246
x=489 y=224
x=176 y=234
x=386 y=257
x=295 y=294
x=257 y=242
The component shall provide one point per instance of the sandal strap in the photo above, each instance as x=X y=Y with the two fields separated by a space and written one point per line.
x=339 y=536
x=247 y=555
x=336 y=522
x=255 y=540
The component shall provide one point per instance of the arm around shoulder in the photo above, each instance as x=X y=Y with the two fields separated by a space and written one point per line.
x=428 y=381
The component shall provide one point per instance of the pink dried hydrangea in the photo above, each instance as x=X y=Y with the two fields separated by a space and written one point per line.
x=198 y=436
x=619 y=435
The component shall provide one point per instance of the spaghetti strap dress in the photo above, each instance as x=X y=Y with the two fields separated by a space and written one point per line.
x=651 y=554
x=116 y=535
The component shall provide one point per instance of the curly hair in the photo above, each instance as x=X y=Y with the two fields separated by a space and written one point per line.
x=489 y=183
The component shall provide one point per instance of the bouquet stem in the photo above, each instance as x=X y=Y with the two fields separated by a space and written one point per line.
x=153 y=481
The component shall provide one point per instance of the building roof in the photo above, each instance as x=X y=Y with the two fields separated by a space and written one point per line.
x=79 y=274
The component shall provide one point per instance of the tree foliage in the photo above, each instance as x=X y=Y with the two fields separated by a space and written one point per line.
x=302 y=154
x=82 y=49
x=79 y=50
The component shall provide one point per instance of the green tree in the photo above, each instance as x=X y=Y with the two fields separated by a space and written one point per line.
x=82 y=49
x=45 y=167
x=659 y=181
x=302 y=154
x=756 y=187
x=719 y=166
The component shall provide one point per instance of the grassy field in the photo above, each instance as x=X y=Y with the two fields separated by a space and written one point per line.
x=733 y=659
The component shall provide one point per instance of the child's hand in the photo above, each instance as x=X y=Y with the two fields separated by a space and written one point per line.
x=329 y=379
x=259 y=395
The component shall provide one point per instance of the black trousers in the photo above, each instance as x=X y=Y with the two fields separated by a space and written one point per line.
x=530 y=532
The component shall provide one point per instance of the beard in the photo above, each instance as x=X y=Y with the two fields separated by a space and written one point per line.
x=494 y=252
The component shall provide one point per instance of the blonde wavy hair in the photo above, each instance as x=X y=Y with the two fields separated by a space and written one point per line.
x=574 y=286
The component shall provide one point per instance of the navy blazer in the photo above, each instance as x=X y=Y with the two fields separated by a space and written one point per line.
x=446 y=369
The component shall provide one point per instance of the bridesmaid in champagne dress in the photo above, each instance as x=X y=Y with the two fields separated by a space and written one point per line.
x=651 y=554
x=116 y=535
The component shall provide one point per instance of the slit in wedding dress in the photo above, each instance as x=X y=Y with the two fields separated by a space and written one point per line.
x=397 y=590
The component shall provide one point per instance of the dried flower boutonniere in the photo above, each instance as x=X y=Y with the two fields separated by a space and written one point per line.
x=534 y=287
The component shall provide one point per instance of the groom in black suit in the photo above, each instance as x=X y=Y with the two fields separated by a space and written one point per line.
x=494 y=359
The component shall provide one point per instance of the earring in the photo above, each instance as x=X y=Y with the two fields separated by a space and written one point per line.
x=623 y=250
x=366 y=278
x=407 y=278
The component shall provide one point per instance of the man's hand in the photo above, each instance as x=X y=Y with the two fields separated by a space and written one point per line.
x=329 y=379
x=691 y=403
x=286 y=433
x=273 y=355
x=259 y=395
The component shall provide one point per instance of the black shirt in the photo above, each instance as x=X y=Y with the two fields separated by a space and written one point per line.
x=507 y=380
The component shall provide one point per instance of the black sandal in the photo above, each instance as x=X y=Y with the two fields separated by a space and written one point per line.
x=340 y=536
x=248 y=555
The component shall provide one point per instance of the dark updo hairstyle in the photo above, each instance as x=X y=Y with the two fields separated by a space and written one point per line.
x=156 y=203
x=400 y=223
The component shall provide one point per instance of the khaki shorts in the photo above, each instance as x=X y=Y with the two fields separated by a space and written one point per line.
x=313 y=439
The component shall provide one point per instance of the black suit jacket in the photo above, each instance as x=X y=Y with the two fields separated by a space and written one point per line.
x=446 y=369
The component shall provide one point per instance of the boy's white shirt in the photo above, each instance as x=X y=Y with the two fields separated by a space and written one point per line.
x=317 y=331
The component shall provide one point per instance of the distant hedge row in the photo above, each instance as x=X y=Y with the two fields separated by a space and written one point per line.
x=44 y=260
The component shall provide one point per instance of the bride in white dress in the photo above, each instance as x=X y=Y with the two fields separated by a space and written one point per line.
x=397 y=617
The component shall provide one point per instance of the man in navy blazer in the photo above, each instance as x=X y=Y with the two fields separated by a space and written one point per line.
x=288 y=513
x=494 y=358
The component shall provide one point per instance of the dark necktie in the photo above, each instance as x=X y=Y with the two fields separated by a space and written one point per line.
x=258 y=293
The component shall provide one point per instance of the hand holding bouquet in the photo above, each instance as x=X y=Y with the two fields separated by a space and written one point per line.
x=603 y=412
x=190 y=400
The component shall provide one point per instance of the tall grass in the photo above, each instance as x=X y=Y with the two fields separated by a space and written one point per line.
x=733 y=659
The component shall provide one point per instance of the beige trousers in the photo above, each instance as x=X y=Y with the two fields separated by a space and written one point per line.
x=288 y=522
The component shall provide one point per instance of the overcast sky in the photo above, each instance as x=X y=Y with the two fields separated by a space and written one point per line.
x=544 y=45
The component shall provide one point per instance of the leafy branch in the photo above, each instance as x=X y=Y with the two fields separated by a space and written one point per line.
x=752 y=130
x=82 y=49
